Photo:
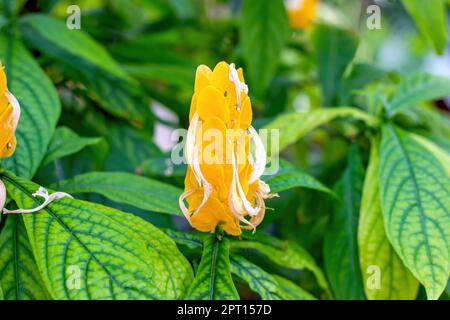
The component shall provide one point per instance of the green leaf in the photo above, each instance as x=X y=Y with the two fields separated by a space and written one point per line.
x=430 y=18
x=161 y=167
x=334 y=49
x=88 y=251
x=360 y=76
x=264 y=30
x=416 y=88
x=291 y=257
x=213 y=279
x=269 y=287
x=19 y=274
x=440 y=154
x=122 y=187
x=376 y=254
x=90 y=63
x=66 y=142
x=40 y=107
x=340 y=244
x=293 y=126
x=290 y=177
x=415 y=201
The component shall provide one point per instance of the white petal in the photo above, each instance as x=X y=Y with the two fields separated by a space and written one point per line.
x=238 y=84
x=259 y=163
x=183 y=208
x=16 y=109
x=2 y=195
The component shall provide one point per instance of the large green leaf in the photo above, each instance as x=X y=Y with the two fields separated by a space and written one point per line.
x=416 y=88
x=334 y=49
x=264 y=30
x=213 y=279
x=341 y=246
x=66 y=142
x=268 y=286
x=90 y=63
x=293 y=126
x=415 y=201
x=430 y=17
x=122 y=187
x=376 y=254
x=289 y=177
x=40 y=107
x=292 y=256
x=19 y=274
x=114 y=255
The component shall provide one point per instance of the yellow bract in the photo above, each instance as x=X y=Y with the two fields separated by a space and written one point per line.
x=302 y=13
x=9 y=116
x=218 y=189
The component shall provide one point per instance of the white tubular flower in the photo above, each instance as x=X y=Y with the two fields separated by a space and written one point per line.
x=43 y=193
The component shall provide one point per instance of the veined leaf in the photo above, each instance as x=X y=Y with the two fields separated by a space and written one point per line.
x=290 y=177
x=88 y=251
x=40 y=107
x=213 y=279
x=334 y=49
x=293 y=126
x=122 y=187
x=191 y=240
x=430 y=19
x=341 y=246
x=269 y=287
x=264 y=30
x=292 y=257
x=384 y=274
x=440 y=154
x=90 y=63
x=417 y=88
x=415 y=201
x=66 y=142
x=19 y=274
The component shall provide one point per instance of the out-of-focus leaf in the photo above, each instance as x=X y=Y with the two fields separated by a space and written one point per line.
x=334 y=49
x=293 y=126
x=40 y=107
x=340 y=244
x=176 y=75
x=88 y=61
x=430 y=18
x=114 y=255
x=290 y=177
x=416 y=88
x=268 y=286
x=292 y=257
x=384 y=274
x=11 y=6
x=415 y=201
x=66 y=142
x=122 y=187
x=264 y=30
x=19 y=274
x=213 y=279
x=361 y=75
x=161 y=167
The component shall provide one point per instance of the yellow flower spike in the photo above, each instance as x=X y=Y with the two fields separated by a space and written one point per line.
x=301 y=13
x=222 y=185
x=9 y=118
